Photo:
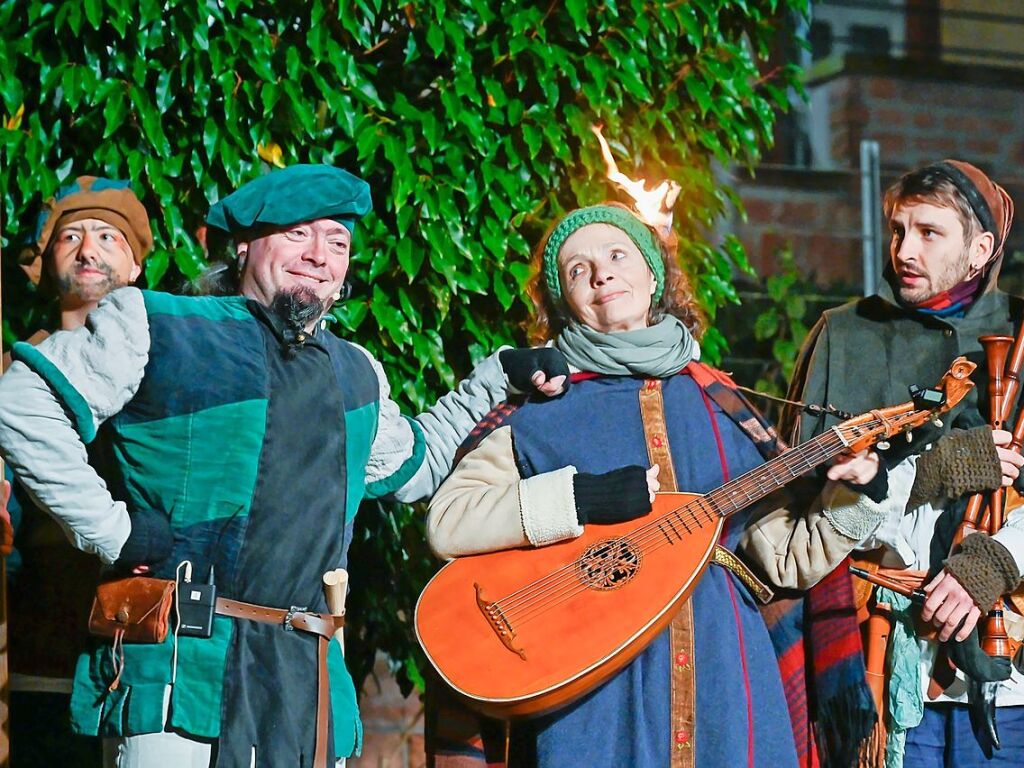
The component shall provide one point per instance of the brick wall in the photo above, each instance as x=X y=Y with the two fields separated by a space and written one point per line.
x=917 y=115
x=392 y=724
x=816 y=214
x=916 y=119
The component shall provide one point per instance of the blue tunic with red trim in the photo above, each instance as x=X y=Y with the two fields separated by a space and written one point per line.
x=741 y=713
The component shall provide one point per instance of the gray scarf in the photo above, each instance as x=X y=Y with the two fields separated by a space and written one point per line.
x=658 y=351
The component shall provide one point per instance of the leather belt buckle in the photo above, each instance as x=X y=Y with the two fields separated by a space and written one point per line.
x=291 y=615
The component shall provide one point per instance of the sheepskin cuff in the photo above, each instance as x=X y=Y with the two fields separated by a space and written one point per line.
x=549 y=507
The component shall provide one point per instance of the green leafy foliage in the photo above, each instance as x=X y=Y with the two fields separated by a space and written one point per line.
x=469 y=118
x=782 y=322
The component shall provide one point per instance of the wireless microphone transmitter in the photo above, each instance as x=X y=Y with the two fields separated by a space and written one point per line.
x=196 y=603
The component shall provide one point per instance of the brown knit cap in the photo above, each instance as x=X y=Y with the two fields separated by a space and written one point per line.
x=89 y=197
x=999 y=203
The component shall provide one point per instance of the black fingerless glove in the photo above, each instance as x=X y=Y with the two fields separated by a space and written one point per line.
x=613 y=497
x=975 y=663
x=877 y=488
x=150 y=542
x=521 y=364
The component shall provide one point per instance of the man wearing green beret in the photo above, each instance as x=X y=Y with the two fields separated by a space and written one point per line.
x=244 y=437
x=91 y=238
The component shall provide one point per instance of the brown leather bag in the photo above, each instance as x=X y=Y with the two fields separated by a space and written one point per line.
x=135 y=609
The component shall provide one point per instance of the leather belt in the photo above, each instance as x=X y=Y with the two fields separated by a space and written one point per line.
x=323 y=625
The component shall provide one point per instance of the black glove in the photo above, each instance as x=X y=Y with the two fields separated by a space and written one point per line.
x=521 y=364
x=975 y=663
x=150 y=542
x=613 y=497
x=877 y=488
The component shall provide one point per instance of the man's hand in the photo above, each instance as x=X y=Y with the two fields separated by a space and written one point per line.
x=530 y=370
x=6 y=529
x=947 y=605
x=1010 y=462
x=858 y=468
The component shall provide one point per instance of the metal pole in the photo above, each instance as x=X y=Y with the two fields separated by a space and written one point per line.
x=870 y=213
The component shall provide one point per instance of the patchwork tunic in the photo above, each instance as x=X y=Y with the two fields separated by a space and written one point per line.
x=259 y=444
x=515 y=488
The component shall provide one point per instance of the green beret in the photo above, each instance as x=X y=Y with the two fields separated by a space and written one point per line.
x=621 y=218
x=293 y=195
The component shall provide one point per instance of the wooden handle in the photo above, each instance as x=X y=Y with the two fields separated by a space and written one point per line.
x=335 y=591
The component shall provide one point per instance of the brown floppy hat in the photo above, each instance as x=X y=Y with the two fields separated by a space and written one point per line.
x=89 y=197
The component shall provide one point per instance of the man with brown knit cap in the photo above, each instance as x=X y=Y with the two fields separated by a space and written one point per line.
x=91 y=238
x=948 y=222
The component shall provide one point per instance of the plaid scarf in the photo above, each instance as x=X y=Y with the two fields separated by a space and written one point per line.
x=951 y=303
x=815 y=635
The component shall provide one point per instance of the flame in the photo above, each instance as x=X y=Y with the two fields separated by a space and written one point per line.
x=653 y=206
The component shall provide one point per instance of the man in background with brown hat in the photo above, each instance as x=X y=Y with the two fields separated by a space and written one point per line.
x=91 y=238
x=949 y=224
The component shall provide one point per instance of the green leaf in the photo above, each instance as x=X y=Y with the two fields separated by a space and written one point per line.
x=578 y=13
x=114 y=112
x=94 y=12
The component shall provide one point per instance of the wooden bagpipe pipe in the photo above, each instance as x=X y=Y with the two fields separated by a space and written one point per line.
x=984 y=513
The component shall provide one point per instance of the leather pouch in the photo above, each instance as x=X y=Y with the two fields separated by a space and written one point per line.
x=135 y=609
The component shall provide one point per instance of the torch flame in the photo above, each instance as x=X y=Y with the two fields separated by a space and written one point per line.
x=654 y=206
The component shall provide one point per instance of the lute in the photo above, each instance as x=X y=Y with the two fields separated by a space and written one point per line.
x=523 y=631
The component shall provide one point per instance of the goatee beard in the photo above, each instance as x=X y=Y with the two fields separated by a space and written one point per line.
x=297 y=307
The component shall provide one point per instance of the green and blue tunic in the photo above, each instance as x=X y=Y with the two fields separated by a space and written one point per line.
x=259 y=444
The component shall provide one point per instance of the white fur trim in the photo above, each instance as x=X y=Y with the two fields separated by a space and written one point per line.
x=548 y=507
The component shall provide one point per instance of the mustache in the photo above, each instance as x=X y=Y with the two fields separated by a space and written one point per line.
x=69 y=283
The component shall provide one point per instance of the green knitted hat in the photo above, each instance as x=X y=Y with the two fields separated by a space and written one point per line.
x=637 y=231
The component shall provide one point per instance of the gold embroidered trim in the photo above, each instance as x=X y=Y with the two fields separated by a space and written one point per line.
x=727 y=559
x=683 y=678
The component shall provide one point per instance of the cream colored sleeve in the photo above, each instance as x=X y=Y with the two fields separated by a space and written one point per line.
x=485 y=505
x=794 y=550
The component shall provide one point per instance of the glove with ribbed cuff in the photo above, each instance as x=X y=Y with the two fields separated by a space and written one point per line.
x=613 y=497
x=876 y=489
x=963 y=461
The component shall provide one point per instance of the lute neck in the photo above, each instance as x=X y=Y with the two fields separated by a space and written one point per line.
x=759 y=482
